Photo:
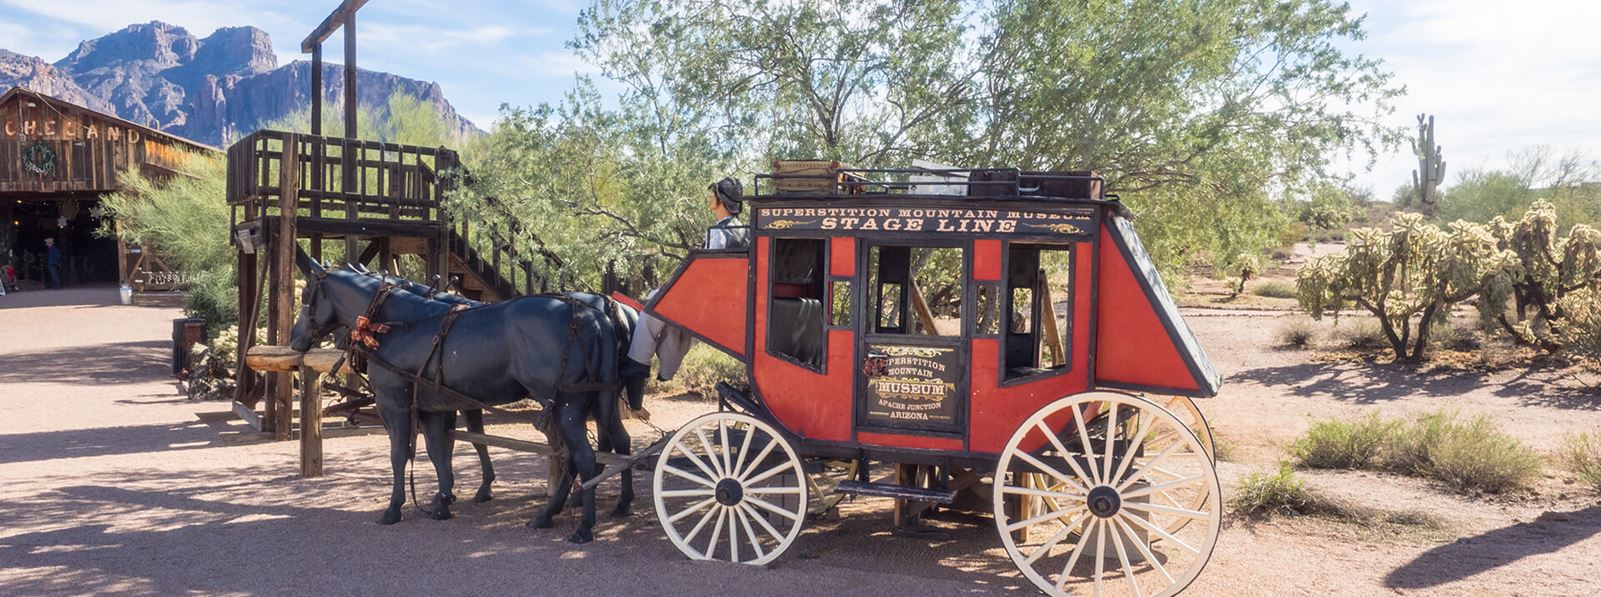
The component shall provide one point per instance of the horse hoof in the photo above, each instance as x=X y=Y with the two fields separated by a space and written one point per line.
x=389 y=517
x=440 y=513
x=483 y=496
x=622 y=511
x=540 y=523
x=581 y=536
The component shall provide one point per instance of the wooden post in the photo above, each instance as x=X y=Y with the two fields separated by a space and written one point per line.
x=350 y=76
x=249 y=295
x=310 y=423
x=283 y=286
x=316 y=89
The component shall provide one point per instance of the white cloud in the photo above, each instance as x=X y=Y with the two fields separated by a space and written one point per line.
x=1497 y=76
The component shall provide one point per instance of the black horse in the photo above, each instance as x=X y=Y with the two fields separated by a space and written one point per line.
x=559 y=351
x=611 y=435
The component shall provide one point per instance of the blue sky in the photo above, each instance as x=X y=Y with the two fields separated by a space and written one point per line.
x=1498 y=75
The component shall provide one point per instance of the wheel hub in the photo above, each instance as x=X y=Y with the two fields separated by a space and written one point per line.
x=1104 y=501
x=730 y=492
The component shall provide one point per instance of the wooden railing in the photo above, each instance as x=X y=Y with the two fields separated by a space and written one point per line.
x=496 y=254
x=348 y=179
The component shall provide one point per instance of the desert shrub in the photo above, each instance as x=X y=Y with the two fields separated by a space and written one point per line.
x=1275 y=289
x=1343 y=444
x=1297 y=333
x=704 y=366
x=1290 y=233
x=1471 y=456
x=1282 y=492
x=1361 y=334
x=1581 y=455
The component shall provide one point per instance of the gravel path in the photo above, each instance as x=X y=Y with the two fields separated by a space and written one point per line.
x=111 y=482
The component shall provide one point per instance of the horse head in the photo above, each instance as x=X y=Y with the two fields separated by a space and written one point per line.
x=319 y=313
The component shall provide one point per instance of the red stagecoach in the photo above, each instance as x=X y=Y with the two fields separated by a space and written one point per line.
x=1000 y=337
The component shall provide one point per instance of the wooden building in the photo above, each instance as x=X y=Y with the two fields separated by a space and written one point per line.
x=57 y=159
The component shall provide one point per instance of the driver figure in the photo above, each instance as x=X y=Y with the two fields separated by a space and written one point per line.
x=670 y=344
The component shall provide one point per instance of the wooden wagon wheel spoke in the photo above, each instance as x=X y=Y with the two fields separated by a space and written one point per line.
x=1122 y=557
x=1145 y=550
x=1062 y=450
x=1123 y=522
x=716 y=459
x=1060 y=476
x=692 y=509
x=681 y=473
x=755 y=541
x=762 y=521
x=717 y=533
x=1056 y=539
x=769 y=489
x=1084 y=436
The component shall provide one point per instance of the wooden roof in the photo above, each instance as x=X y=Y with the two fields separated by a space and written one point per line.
x=148 y=132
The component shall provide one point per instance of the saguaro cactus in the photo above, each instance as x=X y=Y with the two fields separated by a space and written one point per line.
x=1431 y=166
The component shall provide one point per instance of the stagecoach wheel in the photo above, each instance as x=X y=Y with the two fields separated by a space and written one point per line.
x=1185 y=409
x=1115 y=490
x=729 y=487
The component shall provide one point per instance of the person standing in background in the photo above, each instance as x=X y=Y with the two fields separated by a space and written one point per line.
x=52 y=262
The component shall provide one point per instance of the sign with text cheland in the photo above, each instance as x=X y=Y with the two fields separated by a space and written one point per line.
x=1076 y=221
x=913 y=386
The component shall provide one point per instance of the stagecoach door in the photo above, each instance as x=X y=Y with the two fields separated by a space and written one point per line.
x=911 y=374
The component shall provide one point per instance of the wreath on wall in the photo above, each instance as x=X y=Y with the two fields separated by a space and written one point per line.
x=39 y=158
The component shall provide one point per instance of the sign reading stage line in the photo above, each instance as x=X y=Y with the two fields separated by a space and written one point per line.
x=1071 y=222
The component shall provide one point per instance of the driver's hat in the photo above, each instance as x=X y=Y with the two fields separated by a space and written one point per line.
x=730 y=193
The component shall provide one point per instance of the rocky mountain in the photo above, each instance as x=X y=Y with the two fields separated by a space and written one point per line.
x=210 y=89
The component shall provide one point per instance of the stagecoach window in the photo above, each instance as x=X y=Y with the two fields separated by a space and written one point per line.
x=916 y=290
x=1039 y=335
x=840 y=306
x=796 y=316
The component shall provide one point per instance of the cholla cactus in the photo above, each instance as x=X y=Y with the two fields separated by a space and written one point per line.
x=1550 y=269
x=1408 y=277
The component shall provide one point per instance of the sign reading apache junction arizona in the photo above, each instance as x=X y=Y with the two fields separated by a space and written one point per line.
x=915 y=386
x=1075 y=221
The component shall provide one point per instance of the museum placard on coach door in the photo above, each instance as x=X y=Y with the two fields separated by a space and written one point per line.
x=912 y=386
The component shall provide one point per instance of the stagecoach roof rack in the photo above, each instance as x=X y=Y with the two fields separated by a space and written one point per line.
x=824 y=179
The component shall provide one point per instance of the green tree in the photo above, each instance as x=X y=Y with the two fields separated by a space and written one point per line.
x=1198 y=113
x=184 y=218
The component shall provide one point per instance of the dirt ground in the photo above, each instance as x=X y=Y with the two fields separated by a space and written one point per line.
x=112 y=482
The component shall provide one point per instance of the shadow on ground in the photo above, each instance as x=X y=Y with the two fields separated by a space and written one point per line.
x=134 y=439
x=1369 y=383
x=1469 y=556
x=103 y=364
x=237 y=530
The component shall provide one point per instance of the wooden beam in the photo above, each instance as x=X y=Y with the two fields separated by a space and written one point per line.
x=316 y=89
x=925 y=316
x=350 y=69
x=284 y=359
x=336 y=19
x=283 y=279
